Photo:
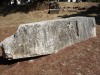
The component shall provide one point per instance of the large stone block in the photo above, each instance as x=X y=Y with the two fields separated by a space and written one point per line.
x=47 y=37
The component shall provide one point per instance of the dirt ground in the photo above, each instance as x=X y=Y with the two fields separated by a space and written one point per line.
x=80 y=59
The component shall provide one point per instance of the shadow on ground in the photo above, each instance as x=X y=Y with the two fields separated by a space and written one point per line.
x=93 y=11
x=25 y=8
x=4 y=61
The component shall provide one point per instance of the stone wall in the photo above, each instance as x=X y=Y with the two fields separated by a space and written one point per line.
x=47 y=37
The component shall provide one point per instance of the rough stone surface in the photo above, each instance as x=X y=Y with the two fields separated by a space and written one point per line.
x=47 y=37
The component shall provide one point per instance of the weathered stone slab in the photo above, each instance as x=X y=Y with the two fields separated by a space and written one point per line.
x=53 y=11
x=47 y=37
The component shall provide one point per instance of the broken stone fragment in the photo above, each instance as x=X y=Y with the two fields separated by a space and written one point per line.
x=47 y=37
